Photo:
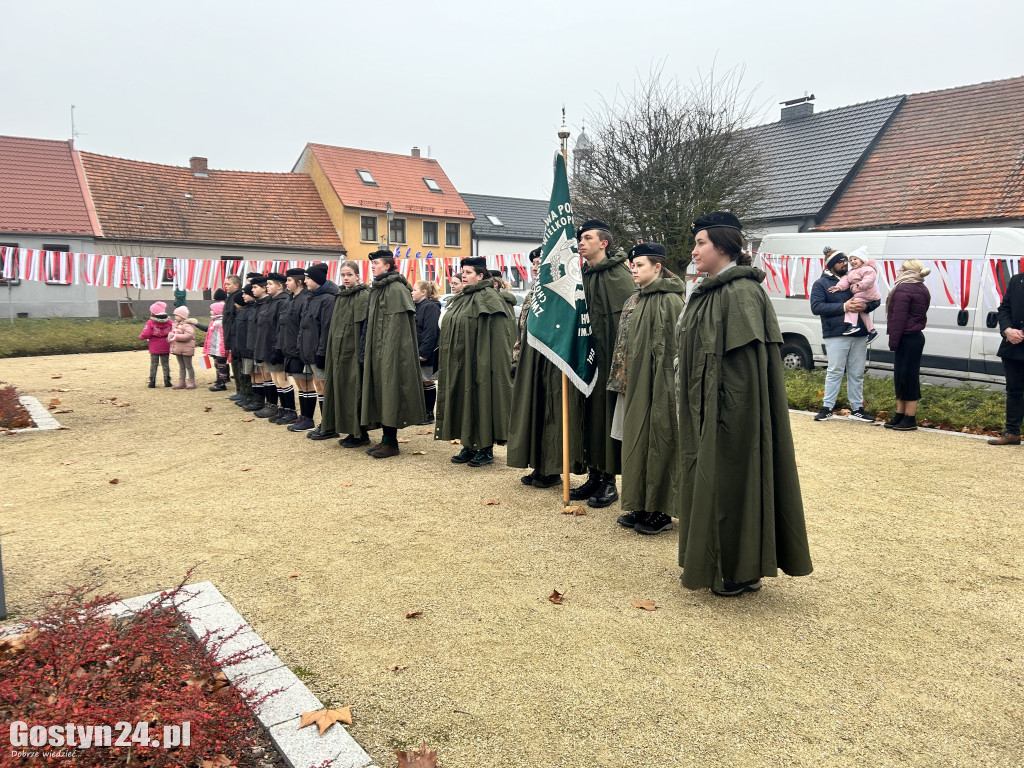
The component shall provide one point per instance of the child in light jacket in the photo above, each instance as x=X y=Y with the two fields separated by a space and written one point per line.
x=155 y=333
x=214 y=346
x=862 y=279
x=183 y=347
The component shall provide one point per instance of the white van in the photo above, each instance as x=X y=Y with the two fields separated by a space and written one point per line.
x=969 y=269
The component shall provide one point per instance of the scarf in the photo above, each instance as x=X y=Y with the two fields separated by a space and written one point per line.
x=618 y=373
x=906 y=276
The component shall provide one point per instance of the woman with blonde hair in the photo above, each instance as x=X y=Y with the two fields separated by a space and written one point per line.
x=906 y=315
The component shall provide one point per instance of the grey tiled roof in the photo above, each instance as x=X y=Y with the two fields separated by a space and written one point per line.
x=808 y=158
x=523 y=219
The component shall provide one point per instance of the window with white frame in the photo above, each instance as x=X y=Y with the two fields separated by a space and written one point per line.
x=366 y=177
x=57 y=264
x=430 y=233
x=368 y=229
x=453 y=234
x=433 y=186
x=494 y=220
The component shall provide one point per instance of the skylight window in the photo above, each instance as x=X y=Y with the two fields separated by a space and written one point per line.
x=432 y=185
x=366 y=177
x=494 y=220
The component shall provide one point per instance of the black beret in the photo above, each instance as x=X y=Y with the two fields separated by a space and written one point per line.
x=248 y=291
x=592 y=224
x=295 y=272
x=220 y=295
x=536 y=253
x=716 y=219
x=317 y=273
x=497 y=273
x=259 y=280
x=381 y=252
x=647 y=249
x=474 y=261
x=277 y=277
x=250 y=275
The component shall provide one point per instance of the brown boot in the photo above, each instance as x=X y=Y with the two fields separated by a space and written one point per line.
x=179 y=385
x=1007 y=438
x=385 y=452
x=372 y=448
x=191 y=384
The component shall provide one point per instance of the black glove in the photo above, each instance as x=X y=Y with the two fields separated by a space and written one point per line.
x=321 y=362
x=276 y=357
x=513 y=373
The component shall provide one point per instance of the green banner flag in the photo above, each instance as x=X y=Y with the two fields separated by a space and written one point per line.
x=558 y=325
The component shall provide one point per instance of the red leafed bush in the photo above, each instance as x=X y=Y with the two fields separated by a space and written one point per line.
x=78 y=665
x=12 y=413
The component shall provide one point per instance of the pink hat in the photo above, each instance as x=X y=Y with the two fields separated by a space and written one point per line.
x=181 y=312
x=217 y=308
x=158 y=308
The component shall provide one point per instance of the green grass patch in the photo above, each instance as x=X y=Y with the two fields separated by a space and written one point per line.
x=957 y=406
x=29 y=337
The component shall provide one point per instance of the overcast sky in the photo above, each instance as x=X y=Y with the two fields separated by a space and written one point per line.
x=247 y=84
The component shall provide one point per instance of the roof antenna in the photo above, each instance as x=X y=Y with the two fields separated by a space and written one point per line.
x=74 y=133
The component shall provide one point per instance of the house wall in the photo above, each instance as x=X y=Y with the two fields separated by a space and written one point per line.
x=491 y=247
x=35 y=299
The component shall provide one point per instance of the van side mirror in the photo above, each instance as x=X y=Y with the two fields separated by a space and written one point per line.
x=961 y=317
x=992 y=320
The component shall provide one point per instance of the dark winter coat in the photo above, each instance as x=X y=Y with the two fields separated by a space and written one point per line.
x=607 y=285
x=392 y=387
x=906 y=311
x=288 y=323
x=240 y=332
x=428 y=330
x=252 y=320
x=829 y=306
x=1011 y=315
x=266 y=329
x=740 y=512
x=229 y=316
x=315 y=325
x=474 y=377
x=650 y=429
x=343 y=374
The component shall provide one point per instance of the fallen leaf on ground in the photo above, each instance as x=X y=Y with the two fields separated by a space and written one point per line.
x=18 y=642
x=207 y=409
x=67 y=463
x=345 y=485
x=293 y=575
x=56 y=377
x=54 y=402
x=246 y=469
x=63 y=426
x=397 y=667
x=218 y=433
x=646 y=605
x=455 y=442
x=220 y=761
x=325 y=718
x=556 y=597
x=115 y=481
x=122 y=405
x=419 y=453
x=64 y=410
x=248 y=419
x=421 y=757
x=413 y=614
x=491 y=503
x=574 y=510
x=404 y=440
x=425 y=432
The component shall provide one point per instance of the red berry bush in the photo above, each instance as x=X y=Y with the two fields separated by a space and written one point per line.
x=78 y=665
x=12 y=413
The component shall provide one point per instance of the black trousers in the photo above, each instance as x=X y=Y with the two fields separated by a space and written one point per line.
x=906 y=369
x=1014 y=370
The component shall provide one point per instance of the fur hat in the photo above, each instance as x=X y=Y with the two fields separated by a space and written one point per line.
x=592 y=224
x=716 y=219
x=832 y=256
x=317 y=273
x=647 y=249
x=217 y=308
x=475 y=261
x=379 y=253
x=181 y=313
x=536 y=253
x=295 y=272
x=259 y=280
x=250 y=275
x=277 y=277
x=158 y=308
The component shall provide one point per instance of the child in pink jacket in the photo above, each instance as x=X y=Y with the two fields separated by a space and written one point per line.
x=155 y=333
x=862 y=279
x=183 y=347
x=215 y=348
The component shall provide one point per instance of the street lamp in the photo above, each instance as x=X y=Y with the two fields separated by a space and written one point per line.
x=391 y=217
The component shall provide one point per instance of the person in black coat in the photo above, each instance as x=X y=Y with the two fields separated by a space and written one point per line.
x=258 y=401
x=268 y=357
x=244 y=308
x=314 y=328
x=233 y=288
x=1011 y=351
x=428 y=332
x=288 y=345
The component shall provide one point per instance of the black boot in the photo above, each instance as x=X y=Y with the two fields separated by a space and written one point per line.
x=167 y=380
x=907 y=424
x=891 y=423
x=483 y=457
x=606 y=493
x=152 y=382
x=588 y=489
x=429 y=398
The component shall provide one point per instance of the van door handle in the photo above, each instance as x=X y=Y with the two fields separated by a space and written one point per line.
x=992 y=320
x=962 y=317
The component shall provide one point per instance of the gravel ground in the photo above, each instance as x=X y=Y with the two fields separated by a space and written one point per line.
x=904 y=648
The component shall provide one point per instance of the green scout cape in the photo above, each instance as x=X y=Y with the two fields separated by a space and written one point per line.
x=650 y=429
x=392 y=391
x=474 y=376
x=343 y=376
x=607 y=285
x=740 y=512
x=535 y=429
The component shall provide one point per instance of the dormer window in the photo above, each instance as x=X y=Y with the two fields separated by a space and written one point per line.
x=494 y=220
x=367 y=178
x=432 y=185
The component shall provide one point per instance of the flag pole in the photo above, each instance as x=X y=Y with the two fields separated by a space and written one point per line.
x=563 y=135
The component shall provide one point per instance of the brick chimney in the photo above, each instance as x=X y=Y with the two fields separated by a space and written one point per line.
x=198 y=166
x=794 y=109
x=415 y=151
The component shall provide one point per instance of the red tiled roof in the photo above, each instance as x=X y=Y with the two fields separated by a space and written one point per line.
x=146 y=201
x=399 y=181
x=40 y=189
x=948 y=156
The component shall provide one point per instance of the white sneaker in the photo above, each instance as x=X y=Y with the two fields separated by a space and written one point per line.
x=861 y=415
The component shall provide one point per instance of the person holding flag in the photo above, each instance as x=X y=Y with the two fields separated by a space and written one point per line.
x=607 y=283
